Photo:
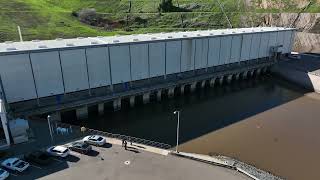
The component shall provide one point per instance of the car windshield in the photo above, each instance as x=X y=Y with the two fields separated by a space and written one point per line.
x=85 y=145
x=65 y=151
x=100 y=138
x=15 y=162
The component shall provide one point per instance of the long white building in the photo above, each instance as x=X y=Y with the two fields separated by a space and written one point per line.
x=38 y=69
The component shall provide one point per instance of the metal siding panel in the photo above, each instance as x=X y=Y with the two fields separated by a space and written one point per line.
x=139 y=61
x=187 y=57
x=272 y=41
x=225 y=50
x=255 y=43
x=236 y=49
x=47 y=73
x=286 y=43
x=263 y=50
x=214 y=51
x=120 y=64
x=157 y=59
x=201 y=53
x=246 y=46
x=74 y=70
x=292 y=40
x=173 y=57
x=17 y=78
x=98 y=67
x=280 y=40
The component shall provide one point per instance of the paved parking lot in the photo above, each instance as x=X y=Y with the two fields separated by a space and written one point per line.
x=113 y=162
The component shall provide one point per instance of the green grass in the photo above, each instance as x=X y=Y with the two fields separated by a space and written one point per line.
x=49 y=19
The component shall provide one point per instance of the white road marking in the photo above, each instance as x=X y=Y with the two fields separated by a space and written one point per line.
x=36 y=166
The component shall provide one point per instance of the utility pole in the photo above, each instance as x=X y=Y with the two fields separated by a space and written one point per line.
x=20 y=34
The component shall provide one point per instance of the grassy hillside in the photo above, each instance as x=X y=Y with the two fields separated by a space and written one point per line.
x=48 y=19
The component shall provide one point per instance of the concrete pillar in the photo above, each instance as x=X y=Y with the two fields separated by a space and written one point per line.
x=193 y=86
x=229 y=78
x=146 y=98
x=221 y=80
x=244 y=75
x=182 y=89
x=212 y=81
x=258 y=72
x=101 y=109
x=251 y=73
x=159 y=95
x=237 y=76
x=203 y=84
x=171 y=92
x=117 y=104
x=264 y=70
x=82 y=113
x=132 y=101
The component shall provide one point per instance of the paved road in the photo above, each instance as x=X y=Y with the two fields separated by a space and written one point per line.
x=109 y=163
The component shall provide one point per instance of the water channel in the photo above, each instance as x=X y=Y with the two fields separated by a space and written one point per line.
x=266 y=122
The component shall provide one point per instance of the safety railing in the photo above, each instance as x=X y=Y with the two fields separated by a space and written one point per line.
x=117 y=136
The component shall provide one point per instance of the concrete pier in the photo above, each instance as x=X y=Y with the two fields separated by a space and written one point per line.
x=132 y=101
x=101 y=108
x=212 y=82
x=251 y=73
x=245 y=75
x=229 y=78
x=117 y=104
x=146 y=98
x=159 y=95
x=203 y=84
x=82 y=113
x=193 y=86
x=258 y=72
x=182 y=88
x=171 y=92
x=237 y=76
x=221 y=80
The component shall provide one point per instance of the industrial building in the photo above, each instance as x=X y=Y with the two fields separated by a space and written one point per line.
x=54 y=75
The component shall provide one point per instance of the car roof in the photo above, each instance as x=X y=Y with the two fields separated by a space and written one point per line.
x=59 y=148
x=95 y=137
x=10 y=160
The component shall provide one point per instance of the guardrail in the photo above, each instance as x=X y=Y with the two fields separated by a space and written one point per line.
x=119 y=136
x=131 y=139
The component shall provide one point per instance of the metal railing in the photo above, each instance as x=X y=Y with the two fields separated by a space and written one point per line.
x=131 y=139
x=119 y=136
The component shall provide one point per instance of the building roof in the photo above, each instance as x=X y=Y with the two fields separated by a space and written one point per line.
x=59 y=43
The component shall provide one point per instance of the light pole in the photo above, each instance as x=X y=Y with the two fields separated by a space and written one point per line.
x=50 y=130
x=178 y=126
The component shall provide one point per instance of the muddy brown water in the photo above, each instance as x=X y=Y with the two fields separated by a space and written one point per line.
x=266 y=122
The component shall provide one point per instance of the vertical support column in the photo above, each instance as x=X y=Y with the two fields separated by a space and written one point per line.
x=221 y=80
x=117 y=104
x=203 y=84
x=132 y=101
x=264 y=70
x=244 y=75
x=159 y=94
x=82 y=112
x=229 y=78
x=182 y=89
x=258 y=72
x=237 y=76
x=171 y=92
x=146 y=98
x=212 y=81
x=101 y=108
x=251 y=73
x=193 y=86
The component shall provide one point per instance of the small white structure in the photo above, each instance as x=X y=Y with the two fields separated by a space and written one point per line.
x=4 y=121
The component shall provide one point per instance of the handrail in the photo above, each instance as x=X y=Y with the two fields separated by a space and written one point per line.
x=126 y=137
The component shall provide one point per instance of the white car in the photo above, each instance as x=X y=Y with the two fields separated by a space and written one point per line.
x=59 y=151
x=15 y=164
x=95 y=140
x=3 y=174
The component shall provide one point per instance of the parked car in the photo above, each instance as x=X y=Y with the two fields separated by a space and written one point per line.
x=95 y=140
x=81 y=147
x=58 y=151
x=3 y=174
x=15 y=164
x=38 y=157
